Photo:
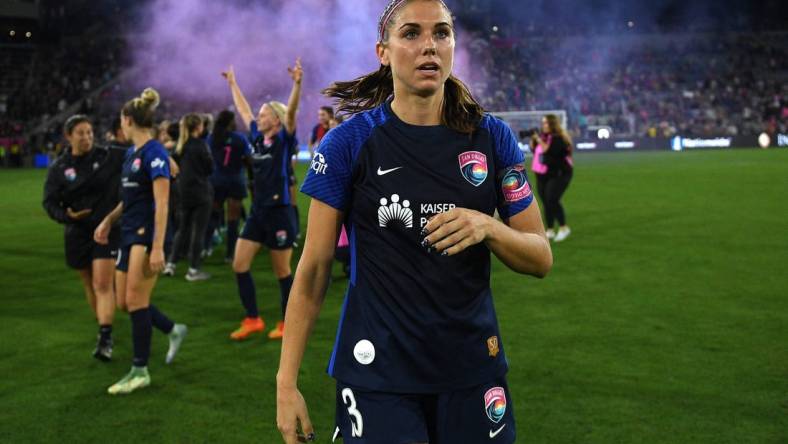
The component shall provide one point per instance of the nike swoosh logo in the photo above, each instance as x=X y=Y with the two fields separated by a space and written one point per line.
x=384 y=172
x=495 y=433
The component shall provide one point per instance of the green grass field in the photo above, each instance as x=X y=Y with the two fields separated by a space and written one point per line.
x=664 y=320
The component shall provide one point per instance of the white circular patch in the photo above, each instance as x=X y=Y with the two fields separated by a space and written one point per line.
x=364 y=352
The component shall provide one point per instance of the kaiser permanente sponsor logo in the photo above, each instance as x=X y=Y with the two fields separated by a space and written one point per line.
x=428 y=210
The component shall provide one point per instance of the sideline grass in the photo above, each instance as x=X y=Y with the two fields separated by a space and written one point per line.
x=664 y=320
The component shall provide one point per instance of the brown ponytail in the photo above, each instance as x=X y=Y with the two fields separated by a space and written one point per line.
x=188 y=124
x=461 y=112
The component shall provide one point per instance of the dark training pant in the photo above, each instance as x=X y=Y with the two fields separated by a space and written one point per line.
x=551 y=188
x=191 y=232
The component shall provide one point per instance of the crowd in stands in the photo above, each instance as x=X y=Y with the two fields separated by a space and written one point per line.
x=695 y=85
x=651 y=85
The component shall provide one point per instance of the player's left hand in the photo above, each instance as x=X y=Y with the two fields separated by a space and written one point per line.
x=157 y=260
x=454 y=231
x=296 y=72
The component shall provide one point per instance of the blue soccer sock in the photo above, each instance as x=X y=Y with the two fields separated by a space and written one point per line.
x=141 y=334
x=247 y=292
x=285 y=284
x=160 y=320
x=232 y=237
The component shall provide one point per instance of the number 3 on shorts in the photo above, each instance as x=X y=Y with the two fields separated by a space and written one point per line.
x=356 y=421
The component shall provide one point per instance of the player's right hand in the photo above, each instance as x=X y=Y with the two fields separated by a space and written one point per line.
x=78 y=215
x=229 y=75
x=290 y=412
x=101 y=235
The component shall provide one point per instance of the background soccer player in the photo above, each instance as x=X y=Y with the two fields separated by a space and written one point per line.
x=144 y=207
x=416 y=177
x=195 y=197
x=324 y=116
x=230 y=150
x=81 y=189
x=271 y=221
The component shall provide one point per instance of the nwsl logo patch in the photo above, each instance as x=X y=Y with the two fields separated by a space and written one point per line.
x=515 y=185
x=71 y=174
x=495 y=404
x=135 y=166
x=473 y=166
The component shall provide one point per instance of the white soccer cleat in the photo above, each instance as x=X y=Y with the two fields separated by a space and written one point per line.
x=563 y=233
x=136 y=379
x=176 y=336
x=169 y=269
x=550 y=234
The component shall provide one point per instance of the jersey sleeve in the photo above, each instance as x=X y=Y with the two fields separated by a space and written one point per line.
x=51 y=201
x=254 y=132
x=329 y=177
x=513 y=189
x=246 y=146
x=157 y=163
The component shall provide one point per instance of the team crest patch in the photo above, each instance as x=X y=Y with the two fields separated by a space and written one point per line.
x=135 y=166
x=71 y=174
x=515 y=185
x=281 y=237
x=492 y=346
x=473 y=166
x=495 y=404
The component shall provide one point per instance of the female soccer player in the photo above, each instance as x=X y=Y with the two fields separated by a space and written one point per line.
x=231 y=151
x=195 y=197
x=416 y=176
x=271 y=220
x=145 y=191
x=81 y=188
x=557 y=146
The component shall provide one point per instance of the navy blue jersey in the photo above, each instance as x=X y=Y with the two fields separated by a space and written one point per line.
x=271 y=167
x=414 y=321
x=228 y=155
x=141 y=167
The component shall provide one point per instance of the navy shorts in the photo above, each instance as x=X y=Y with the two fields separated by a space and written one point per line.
x=82 y=250
x=122 y=262
x=480 y=414
x=228 y=187
x=273 y=227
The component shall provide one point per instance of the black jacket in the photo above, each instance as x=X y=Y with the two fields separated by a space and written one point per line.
x=555 y=157
x=196 y=164
x=82 y=182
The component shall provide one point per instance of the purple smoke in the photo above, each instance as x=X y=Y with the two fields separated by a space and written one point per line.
x=182 y=46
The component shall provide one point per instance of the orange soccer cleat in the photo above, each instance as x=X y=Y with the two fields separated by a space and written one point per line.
x=278 y=332
x=248 y=326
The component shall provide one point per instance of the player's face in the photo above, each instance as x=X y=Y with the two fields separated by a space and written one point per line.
x=323 y=117
x=545 y=126
x=420 y=49
x=267 y=119
x=125 y=126
x=81 y=138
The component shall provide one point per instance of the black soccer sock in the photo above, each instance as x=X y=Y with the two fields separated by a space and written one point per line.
x=105 y=333
x=285 y=284
x=160 y=320
x=247 y=292
x=232 y=237
x=141 y=334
